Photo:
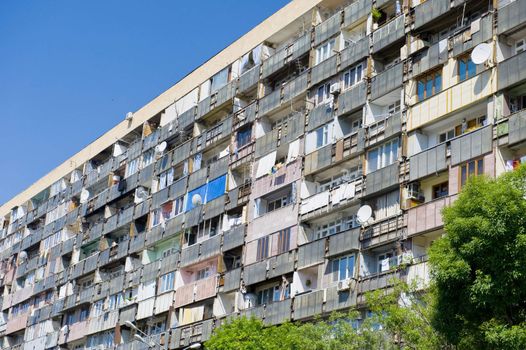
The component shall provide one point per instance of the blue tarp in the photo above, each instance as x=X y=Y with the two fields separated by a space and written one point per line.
x=208 y=192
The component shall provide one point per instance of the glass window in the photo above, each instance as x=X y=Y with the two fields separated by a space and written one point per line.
x=466 y=68
x=263 y=248
x=325 y=51
x=429 y=85
x=283 y=241
x=440 y=190
x=352 y=76
x=167 y=282
x=343 y=268
x=382 y=156
x=472 y=168
x=322 y=136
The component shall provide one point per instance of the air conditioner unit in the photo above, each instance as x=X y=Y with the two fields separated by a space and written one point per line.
x=346 y=285
x=335 y=88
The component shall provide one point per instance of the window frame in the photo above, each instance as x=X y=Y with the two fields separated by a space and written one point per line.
x=424 y=81
x=478 y=169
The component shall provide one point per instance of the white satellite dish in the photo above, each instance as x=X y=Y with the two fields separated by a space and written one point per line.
x=159 y=149
x=197 y=200
x=481 y=53
x=364 y=214
x=129 y=116
x=84 y=195
x=140 y=194
x=22 y=256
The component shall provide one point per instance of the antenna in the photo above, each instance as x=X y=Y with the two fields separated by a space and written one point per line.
x=481 y=53
x=84 y=195
x=364 y=214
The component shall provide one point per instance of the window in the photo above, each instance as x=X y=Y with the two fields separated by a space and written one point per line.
x=166 y=282
x=517 y=103
x=115 y=301
x=520 y=46
x=343 y=268
x=147 y=158
x=166 y=179
x=440 y=190
x=132 y=167
x=277 y=203
x=325 y=51
x=243 y=136
x=322 y=136
x=447 y=135
x=284 y=240
x=178 y=205
x=352 y=76
x=466 y=68
x=273 y=294
x=323 y=94
x=336 y=226
x=331 y=182
x=202 y=274
x=386 y=261
x=263 y=248
x=394 y=108
x=382 y=156
x=472 y=168
x=429 y=85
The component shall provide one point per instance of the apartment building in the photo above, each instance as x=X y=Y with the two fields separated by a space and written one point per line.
x=236 y=191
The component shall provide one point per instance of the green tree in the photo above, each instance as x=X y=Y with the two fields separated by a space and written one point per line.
x=479 y=266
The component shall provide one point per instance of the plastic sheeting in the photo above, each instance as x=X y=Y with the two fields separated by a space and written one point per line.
x=208 y=192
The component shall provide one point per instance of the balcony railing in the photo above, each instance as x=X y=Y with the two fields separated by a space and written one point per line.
x=389 y=33
x=427 y=217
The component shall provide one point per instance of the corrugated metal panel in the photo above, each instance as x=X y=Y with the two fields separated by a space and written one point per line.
x=231 y=280
x=311 y=253
x=269 y=102
x=266 y=143
x=234 y=237
x=511 y=71
x=389 y=33
x=517 y=128
x=210 y=247
x=255 y=273
x=182 y=152
x=218 y=168
x=352 y=99
x=194 y=216
x=278 y=312
x=186 y=118
x=163 y=302
x=308 y=305
x=300 y=46
x=190 y=255
x=320 y=115
x=327 y=28
x=382 y=179
x=323 y=70
x=203 y=107
x=427 y=162
x=145 y=308
x=274 y=63
x=344 y=242
x=249 y=79
x=356 y=11
x=511 y=16
x=485 y=33
x=471 y=145
x=339 y=300
x=354 y=52
x=127 y=314
x=429 y=10
x=387 y=81
x=281 y=264
x=295 y=87
x=197 y=178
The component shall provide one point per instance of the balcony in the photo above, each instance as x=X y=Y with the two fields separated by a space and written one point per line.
x=323 y=70
x=249 y=79
x=233 y=238
x=451 y=100
x=511 y=16
x=383 y=129
x=312 y=253
x=327 y=28
x=511 y=71
x=427 y=217
x=354 y=52
x=231 y=280
x=387 y=81
x=285 y=175
x=344 y=242
x=382 y=179
x=352 y=99
x=430 y=10
x=278 y=312
x=356 y=12
x=428 y=162
x=472 y=145
x=324 y=202
x=309 y=304
x=434 y=56
x=485 y=33
x=196 y=291
x=419 y=273
x=377 y=281
x=194 y=333
x=350 y=146
x=74 y=332
x=383 y=231
x=389 y=33
x=17 y=323
x=517 y=127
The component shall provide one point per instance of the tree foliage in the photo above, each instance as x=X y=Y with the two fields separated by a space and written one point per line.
x=479 y=266
x=400 y=320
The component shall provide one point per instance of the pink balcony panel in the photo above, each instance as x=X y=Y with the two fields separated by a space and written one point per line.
x=428 y=216
x=206 y=288
x=184 y=295
x=17 y=323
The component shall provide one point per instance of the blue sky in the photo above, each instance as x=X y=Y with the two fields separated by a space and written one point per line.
x=71 y=69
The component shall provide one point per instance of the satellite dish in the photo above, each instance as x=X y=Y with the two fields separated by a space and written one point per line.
x=22 y=256
x=140 y=194
x=364 y=214
x=84 y=195
x=129 y=116
x=481 y=53
x=159 y=149
x=197 y=200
